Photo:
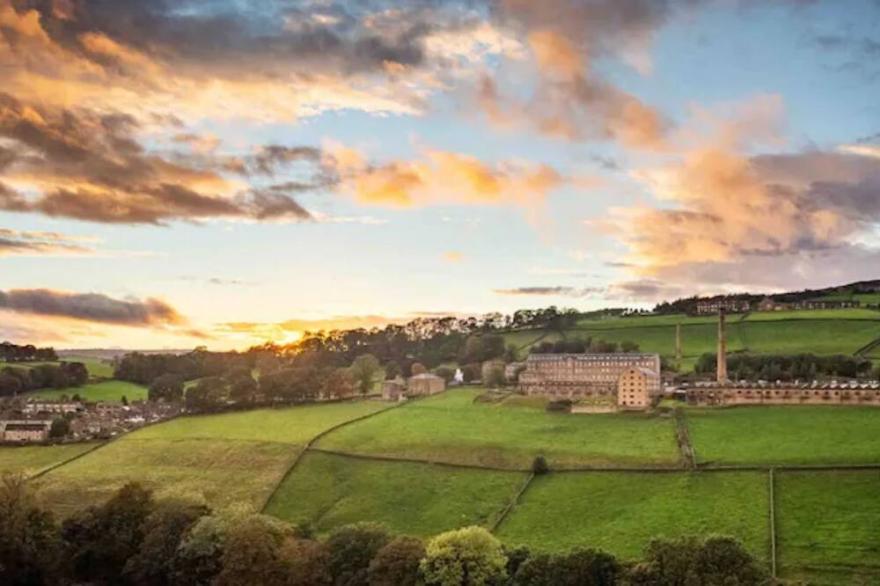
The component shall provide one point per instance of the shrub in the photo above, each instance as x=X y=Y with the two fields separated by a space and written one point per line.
x=559 y=405
x=540 y=466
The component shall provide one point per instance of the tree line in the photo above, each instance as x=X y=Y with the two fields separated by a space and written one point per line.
x=581 y=345
x=10 y=352
x=14 y=380
x=773 y=367
x=135 y=539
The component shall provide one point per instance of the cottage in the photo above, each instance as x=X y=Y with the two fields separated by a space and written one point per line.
x=394 y=390
x=425 y=384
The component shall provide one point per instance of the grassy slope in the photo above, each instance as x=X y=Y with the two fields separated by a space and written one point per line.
x=827 y=526
x=29 y=460
x=93 y=365
x=794 y=434
x=622 y=512
x=237 y=457
x=418 y=499
x=451 y=428
x=110 y=391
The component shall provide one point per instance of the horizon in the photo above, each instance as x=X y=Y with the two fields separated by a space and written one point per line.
x=334 y=165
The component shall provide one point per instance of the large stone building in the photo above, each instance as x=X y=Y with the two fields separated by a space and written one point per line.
x=764 y=393
x=594 y=376
x=25 y=431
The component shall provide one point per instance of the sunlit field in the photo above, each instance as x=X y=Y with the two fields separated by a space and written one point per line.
x=29 y=460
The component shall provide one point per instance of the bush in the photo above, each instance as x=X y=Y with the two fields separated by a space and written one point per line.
x=540 y=466
x=397 y=563
x=466 y=557
x=559 y=405
x=352 y=548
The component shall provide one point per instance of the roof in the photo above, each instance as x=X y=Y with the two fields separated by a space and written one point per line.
x=595 y=357
x=25 y=427
x=425 y=376
x=643 y=370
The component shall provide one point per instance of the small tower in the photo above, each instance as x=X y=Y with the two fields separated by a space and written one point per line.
x=722 y=349
x=678 y=343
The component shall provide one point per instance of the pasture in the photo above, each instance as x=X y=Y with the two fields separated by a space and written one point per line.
x=225 y=459
x=30 y=460
x=621 y=512
x=109 y=391
x=452 y=428
x=417 y=499
x=785 y=435
x=827 y=526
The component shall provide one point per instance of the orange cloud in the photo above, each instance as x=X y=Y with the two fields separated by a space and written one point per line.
x=441 y=177
x=453 y=256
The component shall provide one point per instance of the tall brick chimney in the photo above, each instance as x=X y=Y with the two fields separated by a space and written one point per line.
x=722 y=349
x=678 y=342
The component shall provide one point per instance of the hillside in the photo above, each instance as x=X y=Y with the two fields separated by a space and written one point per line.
x=616 y=480
x=830 y=331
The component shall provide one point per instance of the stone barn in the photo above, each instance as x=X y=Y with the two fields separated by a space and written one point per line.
x=425 y=384
x=26 y=431
x=394 y=390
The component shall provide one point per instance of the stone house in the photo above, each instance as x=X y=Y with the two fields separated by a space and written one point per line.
x=425 y=384
x=25 y=431
x=59 y=407
x=394 y=390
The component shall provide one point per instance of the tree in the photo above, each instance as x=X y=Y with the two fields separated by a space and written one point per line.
x=60 y=428
x=392 y=370
x=352 y=548
x=29 y=544
x=167 y=387
x=540 y=466
x=252 y=552
x=465 y=557
x=306 y=563
x=397 y=563
x=9 y=385
x=493 y=374
x=207 y=394
x=76 y=372
x=100 y=540
x=338 y=383
x=364 y=370
x=417 y=368
x=198 y=559
x=581 y=567
x=715 y=561
x=242 y=385
x=163 y=531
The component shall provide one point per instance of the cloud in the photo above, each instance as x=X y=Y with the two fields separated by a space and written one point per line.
x=90 y=166
x=292 y=329
x=427 y=181
x=727 y=210
x=29 y=243
x=93 y=307
x=557 y=291
x=453 y=256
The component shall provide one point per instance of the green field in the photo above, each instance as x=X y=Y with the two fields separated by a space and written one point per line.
x=418 y=499
x=622 y=512
x=828 y=526
x=452 y=428
x=96 y=368
x=109 y=391
x=789 y=434
x=226 y=459
x=816 y=314
x=29 y=460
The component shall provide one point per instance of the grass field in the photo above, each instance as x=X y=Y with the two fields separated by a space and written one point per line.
x=815 y=314
x=230 y=458
x=109 y=391
x=828 y=526
x=29 y=460
x=791 y=434
x=417 y=499
x=452 y=428
x=622 y=512
x=97 y=368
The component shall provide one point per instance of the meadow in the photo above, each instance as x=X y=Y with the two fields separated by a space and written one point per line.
x=327 y=491
x=785 y=435
x=454 y=429
x=224 y=459
x=109 y=391
x=30 y=460
x=621 y=512
x=827 y=526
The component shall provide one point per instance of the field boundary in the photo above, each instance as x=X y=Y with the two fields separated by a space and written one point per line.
x=772 y=512
x=57 y=465
x=308 y=446
x=404 y=460
x=867 y=348
x=513 y=502
x=683 y=436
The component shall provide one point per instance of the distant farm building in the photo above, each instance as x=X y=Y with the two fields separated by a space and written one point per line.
x=594 y=377
x=728 y=304
x=394 y=390
x=770 y=304
x=24 y=431
x=425 y=384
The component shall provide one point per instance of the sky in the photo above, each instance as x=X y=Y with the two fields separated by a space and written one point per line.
x=224 y=173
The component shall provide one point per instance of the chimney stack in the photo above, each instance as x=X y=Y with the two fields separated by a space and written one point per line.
x=678 y=343
x=722 y=349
